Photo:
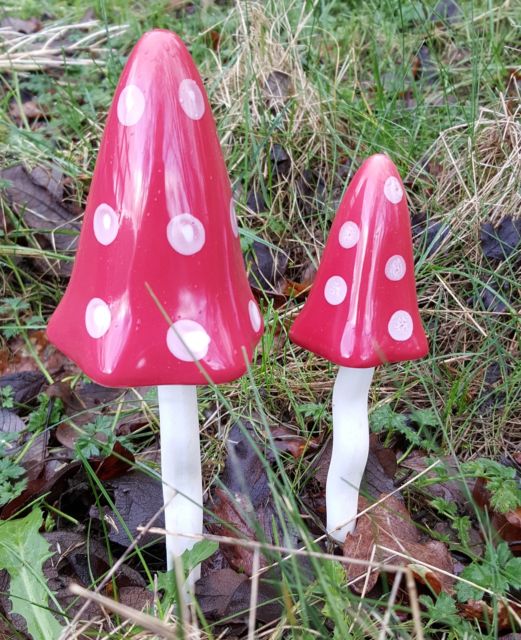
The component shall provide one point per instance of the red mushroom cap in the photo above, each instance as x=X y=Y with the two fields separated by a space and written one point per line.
x=160 y=218
x=362 y=310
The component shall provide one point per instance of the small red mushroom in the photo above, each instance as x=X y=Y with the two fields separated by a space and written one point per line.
x=361 y=312
x=160 y=236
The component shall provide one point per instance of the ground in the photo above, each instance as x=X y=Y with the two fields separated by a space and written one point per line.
x=302 y=92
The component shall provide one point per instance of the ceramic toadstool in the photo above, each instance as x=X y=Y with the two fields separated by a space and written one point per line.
x=361 y=312
x=159 y=236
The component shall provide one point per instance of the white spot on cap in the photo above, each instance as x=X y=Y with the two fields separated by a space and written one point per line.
x=187 y=340
x=191 y=99
x=185 y=234
x=255 y=316
x=233 y=219
x=393 y=190
x=131 y=105
x=349 y=234
x=395 y=268
x=97 y=318
x=335 y=290
x=400 y=326
x=106 y=224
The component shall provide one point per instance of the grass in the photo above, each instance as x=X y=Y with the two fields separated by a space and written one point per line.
x=328 y=82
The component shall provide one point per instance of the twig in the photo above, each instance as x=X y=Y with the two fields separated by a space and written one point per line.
x=254 y=594
x=413 y=599
x=264 y=546
x=392 y=597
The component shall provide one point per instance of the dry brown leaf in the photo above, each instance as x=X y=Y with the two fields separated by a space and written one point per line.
x=386 y=528
x=245 y=509
x=231 y=510
x=10 y=422
x=508 y=525
x=451 y=490
x=30 y=109
x=42 y=211
x=21 y=26
x=480 y=610
x=288 y=441
x=33 y=457
x=25 y=385
x=17 y=357
x=138 y=502
x=225 y=594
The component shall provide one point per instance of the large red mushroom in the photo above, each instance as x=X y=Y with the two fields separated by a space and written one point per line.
x=361 y=312
x=160 y=236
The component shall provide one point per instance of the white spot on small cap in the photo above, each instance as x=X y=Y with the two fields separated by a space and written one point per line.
x=335 y=290
x=349 y=234
x=255 y=316
x=185 y=234
x=106 y=224
x=395 y=268
x=97 y=318
x=187 y=340
x=191 y=99
x=400 y=326
x=393 y=190
x=233 y=219
x=131 y=105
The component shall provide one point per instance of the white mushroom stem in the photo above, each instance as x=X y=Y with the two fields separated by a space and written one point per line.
x=181 y=471
x=350 y=449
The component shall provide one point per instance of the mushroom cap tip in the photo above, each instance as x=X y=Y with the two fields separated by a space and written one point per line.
x=379 y=162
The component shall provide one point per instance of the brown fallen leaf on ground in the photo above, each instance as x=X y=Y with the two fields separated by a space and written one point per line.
x=288 y=441
x=300 y=287
x=17 y=25
x=216 y=591
x=227 y=594
x=16 y=356
x=386 y=528
x=85 y=395
x=267 y=266
x=235 y=513
x=138 y=498
x=244 y=509
x=452 y=489
x=53 y=481
x=277 y=88
x=480 y=610
x=119 y=462
x=27 y=109
x=10 y=422
x=42 y=212
x=24 y=385
x=508 y=525
x=31 y=448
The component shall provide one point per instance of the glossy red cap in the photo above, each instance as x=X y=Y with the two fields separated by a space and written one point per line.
x=362 y=310
x=159 y=216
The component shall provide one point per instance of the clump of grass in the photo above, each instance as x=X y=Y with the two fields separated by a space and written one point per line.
x=279 y=128
x=470 y=176
x=477 y=172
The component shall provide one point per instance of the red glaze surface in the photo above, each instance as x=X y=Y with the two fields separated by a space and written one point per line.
x=159 y=213
x=362 y=310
